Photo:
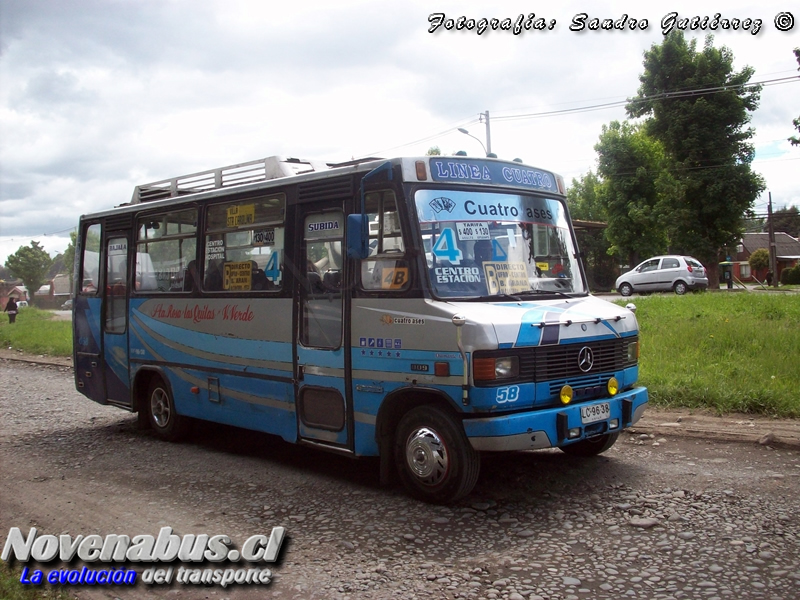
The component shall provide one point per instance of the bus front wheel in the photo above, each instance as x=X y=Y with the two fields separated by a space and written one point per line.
x=167 y=424
x=435 y=460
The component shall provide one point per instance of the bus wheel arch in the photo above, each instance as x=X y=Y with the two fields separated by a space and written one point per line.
x=155 y=403
x=434 y=458
x=392 y=409
x=421 y=440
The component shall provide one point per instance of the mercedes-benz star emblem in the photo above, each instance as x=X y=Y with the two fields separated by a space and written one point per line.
x=585 y=359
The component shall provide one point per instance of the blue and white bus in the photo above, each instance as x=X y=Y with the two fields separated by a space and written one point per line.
x=423 y=310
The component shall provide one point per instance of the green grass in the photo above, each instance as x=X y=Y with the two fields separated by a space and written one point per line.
x=37 y=332
x=726 y=352
x=12 y=589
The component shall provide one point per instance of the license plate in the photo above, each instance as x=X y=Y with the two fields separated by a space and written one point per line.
x=595 y=412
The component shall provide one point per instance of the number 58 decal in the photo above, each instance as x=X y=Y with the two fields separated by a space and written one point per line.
x=507 y=394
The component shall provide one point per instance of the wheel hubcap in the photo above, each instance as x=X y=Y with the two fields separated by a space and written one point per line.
x=159 y=407
x=426 y=456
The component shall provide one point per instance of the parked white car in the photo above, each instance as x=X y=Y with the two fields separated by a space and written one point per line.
x=662 y=274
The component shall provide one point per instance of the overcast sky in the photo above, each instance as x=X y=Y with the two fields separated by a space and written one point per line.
x=97 y=96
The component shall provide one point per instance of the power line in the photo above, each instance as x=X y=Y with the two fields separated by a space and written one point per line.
x=677 y=94
x=462 y=123
x=686 y=93
x=41 y=235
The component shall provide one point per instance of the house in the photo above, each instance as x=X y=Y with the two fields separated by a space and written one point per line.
x=11 y=290
x=54 y=293
x=787 y=250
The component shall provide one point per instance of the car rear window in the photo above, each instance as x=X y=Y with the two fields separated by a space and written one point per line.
x=693 y=263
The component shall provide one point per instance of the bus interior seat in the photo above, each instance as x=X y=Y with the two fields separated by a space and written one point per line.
x=332 y=280
x=189 y=277
x=258 y=280
x=314 y=282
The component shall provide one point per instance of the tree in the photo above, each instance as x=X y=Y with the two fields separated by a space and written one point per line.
x=787 y=220
x=56 y=267
x=634 y=185
x=433 y=151
x=698 y=108
x=30 y=264
x=583 y=200
x=794 y=140
x=759 y=260
x=584 y=205
x=69 y=256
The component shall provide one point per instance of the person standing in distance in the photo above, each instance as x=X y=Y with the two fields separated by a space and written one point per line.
x=11 y=309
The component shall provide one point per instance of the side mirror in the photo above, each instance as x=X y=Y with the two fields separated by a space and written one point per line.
x=357 y=237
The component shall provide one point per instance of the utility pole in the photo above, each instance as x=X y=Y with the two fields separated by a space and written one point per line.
x=488 y=132
x=773 y=262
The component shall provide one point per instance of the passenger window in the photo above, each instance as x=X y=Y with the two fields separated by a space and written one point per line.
x=90 y=262
x=650 y=265
x=116 y=279
x=670 y=263
x=321 y=297
x=244 y=245
x=166 y=252
x=386 y=268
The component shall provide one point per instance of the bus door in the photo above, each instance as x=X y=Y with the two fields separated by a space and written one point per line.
x=115 y=320
x=323 y=411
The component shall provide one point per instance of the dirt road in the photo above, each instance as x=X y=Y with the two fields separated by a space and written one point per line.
x=658 y=516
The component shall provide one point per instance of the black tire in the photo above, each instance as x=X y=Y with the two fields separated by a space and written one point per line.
x=592 y=446
x=165 y=422
x=626 y=289
x=435 y=460
x=680 y=288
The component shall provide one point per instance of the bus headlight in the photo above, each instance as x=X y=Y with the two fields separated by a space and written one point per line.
x=613 y=386
x=633 y=352
x=491 y=369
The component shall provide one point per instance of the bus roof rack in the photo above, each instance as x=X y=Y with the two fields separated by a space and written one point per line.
x=272 y=167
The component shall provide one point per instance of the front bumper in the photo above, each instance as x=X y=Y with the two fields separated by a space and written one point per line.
x=548 y=428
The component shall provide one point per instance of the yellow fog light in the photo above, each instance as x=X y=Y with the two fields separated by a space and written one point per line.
x=566 y=394
x=613 y=386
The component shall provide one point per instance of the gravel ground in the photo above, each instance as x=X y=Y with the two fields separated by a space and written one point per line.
x=658 y=516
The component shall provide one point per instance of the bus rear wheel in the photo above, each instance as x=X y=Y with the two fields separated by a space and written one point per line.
x=435 y=460
x=167 y=424
x=592 y=446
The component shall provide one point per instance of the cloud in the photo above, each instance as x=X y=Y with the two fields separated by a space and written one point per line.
x=99 y=96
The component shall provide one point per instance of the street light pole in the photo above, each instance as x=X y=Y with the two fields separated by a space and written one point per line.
x=465 y=132
x=487 y=148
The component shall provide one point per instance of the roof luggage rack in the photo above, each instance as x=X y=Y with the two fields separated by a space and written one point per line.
x=272 y=167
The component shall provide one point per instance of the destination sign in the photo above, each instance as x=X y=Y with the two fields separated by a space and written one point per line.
x=466 y=170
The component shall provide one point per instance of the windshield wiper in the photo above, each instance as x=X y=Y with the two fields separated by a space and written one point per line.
x=536 y=291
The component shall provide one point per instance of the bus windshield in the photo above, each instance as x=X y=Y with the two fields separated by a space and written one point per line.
x=482 y=244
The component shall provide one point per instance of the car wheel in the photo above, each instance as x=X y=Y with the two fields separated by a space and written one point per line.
x=592 y=446
x=435 y=460
x=626 y=289
x=167 y=424
x=680 y=288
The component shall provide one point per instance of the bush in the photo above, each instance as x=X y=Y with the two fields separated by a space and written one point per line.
x=791 y=276
x=759 y=259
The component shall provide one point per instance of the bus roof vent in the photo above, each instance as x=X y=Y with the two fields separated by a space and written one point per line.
x=272 y=167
